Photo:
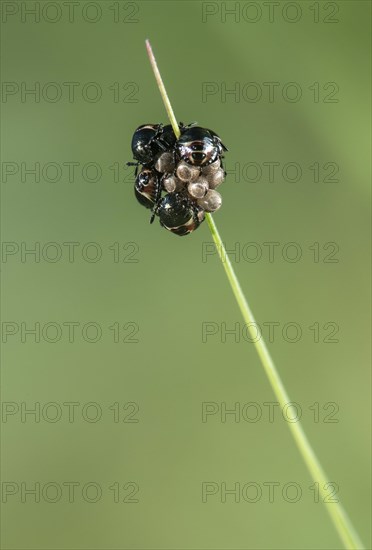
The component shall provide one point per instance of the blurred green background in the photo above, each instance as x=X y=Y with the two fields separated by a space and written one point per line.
x=136 y=394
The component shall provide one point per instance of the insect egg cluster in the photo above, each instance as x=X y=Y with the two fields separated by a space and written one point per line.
x=199 y=183
x=179 y=177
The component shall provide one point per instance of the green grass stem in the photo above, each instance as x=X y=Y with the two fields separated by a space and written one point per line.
x=342 y=523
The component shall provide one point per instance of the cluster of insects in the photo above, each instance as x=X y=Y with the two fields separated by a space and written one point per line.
x=177 y=178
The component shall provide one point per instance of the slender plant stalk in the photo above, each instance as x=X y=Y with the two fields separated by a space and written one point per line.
x=342 y=523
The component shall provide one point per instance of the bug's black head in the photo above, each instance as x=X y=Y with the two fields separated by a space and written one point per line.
x=199 y=146
x=168 y=137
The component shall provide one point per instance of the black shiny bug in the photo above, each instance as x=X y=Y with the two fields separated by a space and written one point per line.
x=149 y=140
x=199 y=146
x=147 y=189
x=179 y=214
